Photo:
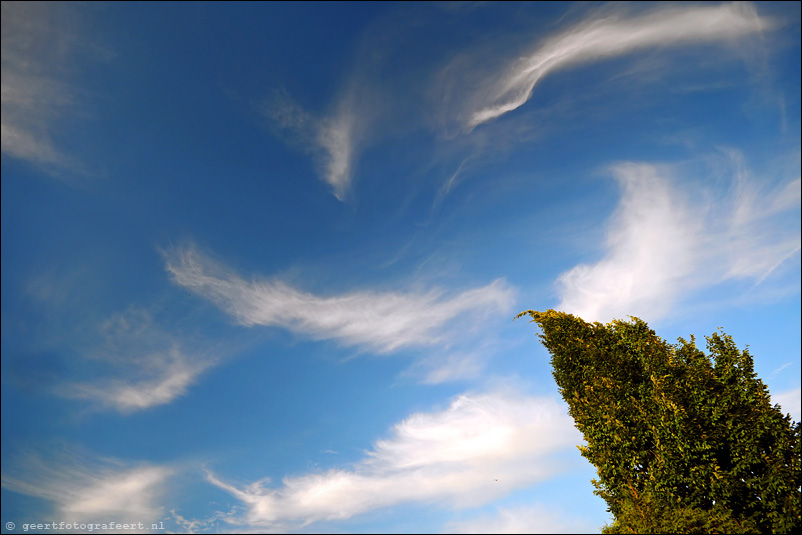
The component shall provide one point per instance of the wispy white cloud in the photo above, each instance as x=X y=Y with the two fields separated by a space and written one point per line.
x=466 y=360
x=661 y=243
x=449 y=184
x=150 y=367
x=452 y=367
x=143 y=364
x=791 y=402
x=524 y=519
x=92 y=492
x=372 y=99
x=338 y=137
x=30 y=98
x=333 y=140
x=781 y=368
x=610 y=36
x=211 y=524
x=650 y=250
x=756 y=245
x=39 y=44
x=382 y=321
x=479 y=448
x=159 y=379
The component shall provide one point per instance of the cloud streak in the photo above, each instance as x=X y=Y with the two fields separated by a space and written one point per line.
x=661 y=244
x=31 y=99
x=161 y=378
x=609 y=37
x=476 y=450
x=381 y=321
x=332 y=140
x=338 y=137
x=146 y=365
x=39 y=44
x=94 y=492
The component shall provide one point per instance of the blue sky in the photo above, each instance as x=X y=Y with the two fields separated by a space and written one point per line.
x=260 y=261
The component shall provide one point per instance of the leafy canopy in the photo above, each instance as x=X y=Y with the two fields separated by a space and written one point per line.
x=683 y=441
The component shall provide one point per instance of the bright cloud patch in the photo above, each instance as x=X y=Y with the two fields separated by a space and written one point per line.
x=608 y=37
x=383 y=321
x=650 y=251
x=478 y=449
x=94 y=492
x=661 y=243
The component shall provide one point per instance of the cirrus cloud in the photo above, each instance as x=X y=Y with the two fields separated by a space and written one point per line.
x=481 y=447
x=93 y=491
x=381 y=321
x=662 y=242
x=607 y=37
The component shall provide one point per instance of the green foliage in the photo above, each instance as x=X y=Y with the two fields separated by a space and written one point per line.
x=683 y=441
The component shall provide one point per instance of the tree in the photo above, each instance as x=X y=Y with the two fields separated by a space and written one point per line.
x=683 y=441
